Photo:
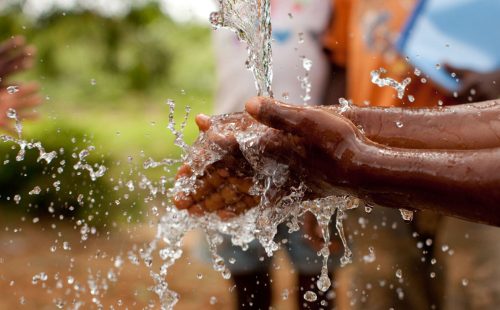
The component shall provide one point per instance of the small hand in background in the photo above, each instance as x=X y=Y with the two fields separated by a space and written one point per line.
x=15 y=56
x=476 y=86
x=23 y=99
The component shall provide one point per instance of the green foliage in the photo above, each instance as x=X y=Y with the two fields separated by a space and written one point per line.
x=137 y=61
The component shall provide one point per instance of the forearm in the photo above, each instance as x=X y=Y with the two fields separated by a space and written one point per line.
x=437 y=128
x=464 y=184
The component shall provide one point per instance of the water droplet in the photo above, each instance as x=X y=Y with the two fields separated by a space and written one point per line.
x=93 y=82
x=406 y=214
x=382 y=82
x=417 y=72
x=438 y=66
x=399 y=274
x=199 y=276
x=130 y=186
x=465 y=282
x=12 y=89
x=323 y=283
x=307 y=63
x=285 y=294
x=216 y=19
x=301 y=38
x=310 y=296
x=213 y=300
x=370 y=258
x=11 y=113
x=66 y=246
x=344 y=105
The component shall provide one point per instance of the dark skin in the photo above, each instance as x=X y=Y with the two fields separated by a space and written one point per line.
x=476 y=86
x=436 y=161
x=16 y=56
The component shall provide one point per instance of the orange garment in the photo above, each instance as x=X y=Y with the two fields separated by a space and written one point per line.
x=361 y=38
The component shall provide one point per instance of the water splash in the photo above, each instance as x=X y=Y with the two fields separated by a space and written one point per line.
x=280 y=202
x=382 y=82
x=251 y=21
x=83 y=165
x=305 y=82
x=26 y=145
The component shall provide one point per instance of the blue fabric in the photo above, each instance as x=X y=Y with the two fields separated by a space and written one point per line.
x=462 y=33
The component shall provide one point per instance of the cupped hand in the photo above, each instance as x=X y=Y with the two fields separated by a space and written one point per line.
x=224 y=185
x=15 y=56
x=321 y=128
x=313 y=142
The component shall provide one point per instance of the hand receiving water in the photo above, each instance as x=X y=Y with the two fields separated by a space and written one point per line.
x=224 y=186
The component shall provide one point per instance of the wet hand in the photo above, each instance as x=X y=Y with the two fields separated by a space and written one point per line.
x=224 y=186
x=322 y=129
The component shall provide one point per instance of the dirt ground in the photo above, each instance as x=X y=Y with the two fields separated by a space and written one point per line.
x=27 y=250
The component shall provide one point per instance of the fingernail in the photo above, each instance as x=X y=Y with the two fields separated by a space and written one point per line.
x=253 y=106
x=203 y=122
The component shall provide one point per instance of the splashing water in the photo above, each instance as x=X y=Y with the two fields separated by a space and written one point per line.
x=251 y=21
x=23 y=144
x=305 y=82
x=83 y=165
x=382 y=82
x=280 y=202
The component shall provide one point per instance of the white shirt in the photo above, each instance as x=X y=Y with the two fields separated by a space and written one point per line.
x=297 y=29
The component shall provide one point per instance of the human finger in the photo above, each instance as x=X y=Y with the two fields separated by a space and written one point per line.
x=203 y=122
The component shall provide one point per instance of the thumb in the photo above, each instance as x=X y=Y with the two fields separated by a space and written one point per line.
x=301 y=121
